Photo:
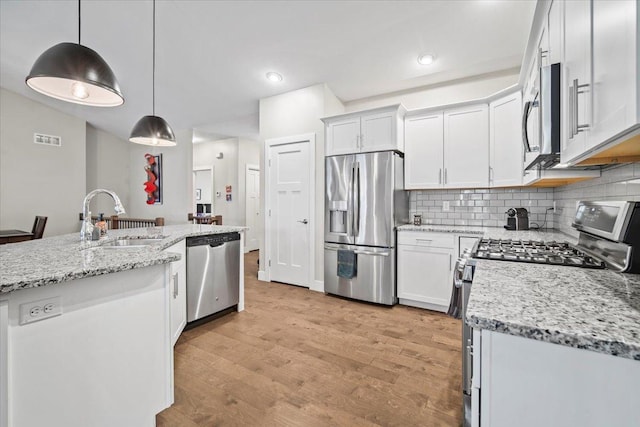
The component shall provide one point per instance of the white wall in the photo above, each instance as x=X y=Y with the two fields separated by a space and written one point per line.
x=294 y=113
x=225 y=173
x=38 y=179
x=248 y=154
x=440 y=94
x=177 y=181
x=230 y=170
x=108 y=168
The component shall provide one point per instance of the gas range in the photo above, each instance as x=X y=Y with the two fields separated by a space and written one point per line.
x=534 y=251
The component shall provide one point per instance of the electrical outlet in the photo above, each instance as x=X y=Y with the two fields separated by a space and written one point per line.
x=445 y=206
x=554 y=206
x=39 y=310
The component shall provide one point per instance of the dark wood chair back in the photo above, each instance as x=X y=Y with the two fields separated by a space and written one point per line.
x=38 y=227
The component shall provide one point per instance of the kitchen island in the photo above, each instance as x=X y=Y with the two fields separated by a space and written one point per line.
x=86 y=328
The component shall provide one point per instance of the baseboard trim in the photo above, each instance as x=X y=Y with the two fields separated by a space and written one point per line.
x=425 y=305
x=317 y=285
x=262 y=276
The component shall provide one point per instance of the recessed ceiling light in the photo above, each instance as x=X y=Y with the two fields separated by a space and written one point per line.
x=426 y=59
x=274 y=77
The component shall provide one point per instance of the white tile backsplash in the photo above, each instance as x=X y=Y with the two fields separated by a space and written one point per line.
x=483 y=207
x=486 y=206
x=617 y=183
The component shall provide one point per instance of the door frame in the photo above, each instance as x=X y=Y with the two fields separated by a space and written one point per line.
x=272 y=142
x=194 y=202
x=247 y=168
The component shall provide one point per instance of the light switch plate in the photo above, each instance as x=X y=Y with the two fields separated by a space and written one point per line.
x=39 y=310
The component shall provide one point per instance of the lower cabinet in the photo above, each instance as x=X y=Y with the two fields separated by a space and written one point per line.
x=527 y=383
x=425 y=266
x=178 y=291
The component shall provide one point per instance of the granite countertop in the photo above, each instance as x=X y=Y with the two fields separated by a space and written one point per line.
x=597 y=310
x=62 y=258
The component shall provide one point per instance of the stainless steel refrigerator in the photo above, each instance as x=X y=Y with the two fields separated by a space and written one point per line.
x=364 y=202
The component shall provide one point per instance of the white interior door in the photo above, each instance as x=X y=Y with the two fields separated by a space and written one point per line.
x=252 y=208
x=289 y=213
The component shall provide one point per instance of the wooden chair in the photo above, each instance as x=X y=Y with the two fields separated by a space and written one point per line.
x=38 y=227
x=212 y=220
x=114 y=222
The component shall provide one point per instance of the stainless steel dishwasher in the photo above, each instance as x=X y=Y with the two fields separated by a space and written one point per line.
x=213 y=274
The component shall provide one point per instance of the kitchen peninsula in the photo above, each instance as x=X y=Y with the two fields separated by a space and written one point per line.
x=86 y=329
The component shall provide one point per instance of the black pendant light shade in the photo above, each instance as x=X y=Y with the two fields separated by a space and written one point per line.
x=153 y=130
x=74 y=73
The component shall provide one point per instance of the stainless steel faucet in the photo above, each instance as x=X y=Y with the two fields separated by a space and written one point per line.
x=87 y=227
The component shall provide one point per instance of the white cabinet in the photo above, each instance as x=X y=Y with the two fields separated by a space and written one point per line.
x=554 y=33
x=4 y=363
x=447 y=149
x=615 y=75
x=424 y=151
x=505 y=144
x=466 y=147
x=375 y=130
x=425 y=269
x=576 y=85
x=178 y=291
x=532 y=383
x=600 y=91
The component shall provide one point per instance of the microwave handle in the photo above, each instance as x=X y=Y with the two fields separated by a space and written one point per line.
x=525 y=132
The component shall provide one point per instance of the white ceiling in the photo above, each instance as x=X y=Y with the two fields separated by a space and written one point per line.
x=212 y=56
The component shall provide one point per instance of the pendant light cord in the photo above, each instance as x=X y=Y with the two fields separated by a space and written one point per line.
x=79 y=20
x=154 y=60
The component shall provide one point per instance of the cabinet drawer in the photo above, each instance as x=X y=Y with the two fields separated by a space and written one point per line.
x=419 y=238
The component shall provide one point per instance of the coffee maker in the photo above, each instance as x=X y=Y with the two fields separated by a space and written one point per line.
x=517 y=219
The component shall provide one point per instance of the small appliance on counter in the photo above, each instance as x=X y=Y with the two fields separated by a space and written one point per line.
x=517 y=219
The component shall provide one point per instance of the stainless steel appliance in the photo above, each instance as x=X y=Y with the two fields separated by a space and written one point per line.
x=364 y=202
x=609 y=238
x=517 y=219
x=213 y=274
x=462 y=279
x=541 y=129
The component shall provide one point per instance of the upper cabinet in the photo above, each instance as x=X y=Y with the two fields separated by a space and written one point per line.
x=505 y=141
x=447 y=149
x=366 y=131
x=600 y=92
x=424 y=151
x=576 y=87
x=466 y=147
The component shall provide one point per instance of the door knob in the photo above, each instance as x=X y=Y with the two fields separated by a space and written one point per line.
x=304 y=221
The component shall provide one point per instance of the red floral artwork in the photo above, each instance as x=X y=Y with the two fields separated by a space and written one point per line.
x=154 y=179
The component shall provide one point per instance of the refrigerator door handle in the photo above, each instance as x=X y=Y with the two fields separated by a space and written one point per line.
x=350 y=203
x=356 y=200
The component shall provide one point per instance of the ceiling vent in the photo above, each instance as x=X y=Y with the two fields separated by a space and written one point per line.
x=40 y=138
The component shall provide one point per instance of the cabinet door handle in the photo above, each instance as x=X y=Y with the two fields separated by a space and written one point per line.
x=450 y=258
x=175 y=286
x=358 y=141
x=445 y=175
x=440 y=176
x=490 y=173
x=577 y=89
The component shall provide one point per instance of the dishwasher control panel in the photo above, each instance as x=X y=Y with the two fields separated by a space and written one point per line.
x=212 y=239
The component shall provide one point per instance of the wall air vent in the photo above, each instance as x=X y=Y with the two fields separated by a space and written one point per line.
x=40 y=138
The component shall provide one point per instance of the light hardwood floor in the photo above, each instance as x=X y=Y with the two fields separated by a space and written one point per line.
x=296 y=357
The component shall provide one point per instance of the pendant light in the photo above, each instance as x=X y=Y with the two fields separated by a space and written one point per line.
x=74 y=73
x=153 y=130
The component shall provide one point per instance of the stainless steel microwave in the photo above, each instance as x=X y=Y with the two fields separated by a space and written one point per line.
x=545 y=145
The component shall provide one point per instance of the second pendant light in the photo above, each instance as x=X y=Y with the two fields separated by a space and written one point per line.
x=153 y=130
